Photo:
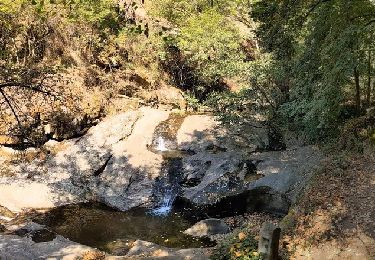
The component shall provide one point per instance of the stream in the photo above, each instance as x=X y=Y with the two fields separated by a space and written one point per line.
x=101 y=227
x=150 y=175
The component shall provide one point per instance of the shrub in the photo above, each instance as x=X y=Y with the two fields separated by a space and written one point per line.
x=241 y=246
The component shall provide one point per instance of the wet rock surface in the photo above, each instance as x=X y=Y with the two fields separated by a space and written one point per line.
x=38 y=233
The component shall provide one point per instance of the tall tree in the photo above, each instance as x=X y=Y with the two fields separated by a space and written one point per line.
x=321 y=44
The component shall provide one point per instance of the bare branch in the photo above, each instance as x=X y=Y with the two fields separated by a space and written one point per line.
x=7 y=100
x=35 y=88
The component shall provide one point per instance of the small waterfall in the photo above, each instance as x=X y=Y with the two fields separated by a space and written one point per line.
x=167 y=186
x=161 y=145
x=165 y=207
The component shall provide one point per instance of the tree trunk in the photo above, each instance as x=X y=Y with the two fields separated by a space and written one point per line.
x=357 y=91
x=368 y=94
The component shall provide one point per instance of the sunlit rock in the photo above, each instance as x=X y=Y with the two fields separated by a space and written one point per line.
x=208 y=227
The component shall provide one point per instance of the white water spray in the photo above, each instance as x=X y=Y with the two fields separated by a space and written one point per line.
x=161 y=145
x=165 y=206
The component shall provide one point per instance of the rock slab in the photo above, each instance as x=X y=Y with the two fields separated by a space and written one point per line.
x=208 y=227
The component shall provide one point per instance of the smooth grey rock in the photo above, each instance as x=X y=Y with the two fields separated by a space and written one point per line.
x=32 y=226
x=279 y=179
x=218 y=175
x=221 y=170
x=208 y=227
x=287 y=172
x=23 y=248
x=203 y=133
x=109 y=164
x=130 y=175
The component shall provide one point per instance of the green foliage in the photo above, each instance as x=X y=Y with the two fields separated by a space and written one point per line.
x=90 y=11
x=233 y=108
x=318 y=45
x=254 y=101
x=11 y=6
x=240 y=246
x=276 y=26
x=192 y=101
x=212 y=46
x=93 y=11
x=208 y=42
x=179 y=11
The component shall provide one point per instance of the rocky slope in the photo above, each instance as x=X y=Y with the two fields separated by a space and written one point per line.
x=115 y=163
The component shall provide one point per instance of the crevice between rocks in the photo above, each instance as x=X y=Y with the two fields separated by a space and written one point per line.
x=131 y=129
x=102 y=168
x=261 y=199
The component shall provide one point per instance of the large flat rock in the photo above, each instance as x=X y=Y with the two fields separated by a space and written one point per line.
x=196 y=132
x=23 y=248
x=269 y=181
x=110 y=163
x=287 y=172
x=129 y=177
x=17 y=196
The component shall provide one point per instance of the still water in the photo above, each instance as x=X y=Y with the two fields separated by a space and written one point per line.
x=101 y=227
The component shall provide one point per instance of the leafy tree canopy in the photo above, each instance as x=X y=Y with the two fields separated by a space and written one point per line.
x=321 y=46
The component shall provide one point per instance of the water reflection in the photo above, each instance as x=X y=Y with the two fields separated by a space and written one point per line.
x=99 y=226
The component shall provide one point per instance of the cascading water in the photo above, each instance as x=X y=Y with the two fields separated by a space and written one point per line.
x=167 y=186
x=161 y=145
x=165 y=206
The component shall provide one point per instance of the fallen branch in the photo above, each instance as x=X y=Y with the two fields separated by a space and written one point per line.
x=35 y=88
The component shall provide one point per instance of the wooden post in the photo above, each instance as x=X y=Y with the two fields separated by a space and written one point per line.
x=269 y=241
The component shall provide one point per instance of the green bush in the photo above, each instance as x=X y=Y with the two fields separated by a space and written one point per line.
x=11 y=6
x=241 y=246
x=212 y=46
x=208 y=43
